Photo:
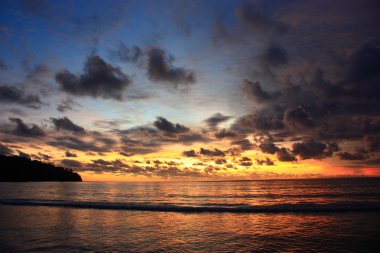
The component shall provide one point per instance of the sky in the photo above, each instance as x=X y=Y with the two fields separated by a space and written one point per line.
x=192 y=90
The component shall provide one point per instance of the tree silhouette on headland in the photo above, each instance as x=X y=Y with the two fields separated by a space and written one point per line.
x=21 y=169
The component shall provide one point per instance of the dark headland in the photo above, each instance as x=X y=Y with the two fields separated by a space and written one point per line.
x=21 y=169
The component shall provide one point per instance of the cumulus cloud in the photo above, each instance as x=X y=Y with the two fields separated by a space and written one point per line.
x=99 y=80
x=298 y=119
x=224 y=133
x=161 y=69
x=266 y=161
x=67 y=125
x=216 y=119
x=313 y=149
x=215 y=152
x=254 y=90
x=284 y=155
x=14 y=95
x=166 y=126
x=24 y=130
x=70 y=154
x=269 y=148
x=189 y=153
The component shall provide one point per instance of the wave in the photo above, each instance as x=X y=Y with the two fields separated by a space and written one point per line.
x=277 y=196
x=235 y=208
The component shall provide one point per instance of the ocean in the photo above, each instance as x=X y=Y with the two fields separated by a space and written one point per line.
x=313 y=215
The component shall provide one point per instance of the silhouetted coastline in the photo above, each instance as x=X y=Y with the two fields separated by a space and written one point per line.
x=21 y=169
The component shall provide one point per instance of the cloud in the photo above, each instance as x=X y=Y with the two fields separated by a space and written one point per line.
x=166 y=126
x=312 y=149
x=69 y=154
x=3 y=65
x=254 y=90
x=244 y=144
x=216 y=119
x=5 y=150
x=127 y=55
x=215 y=152
x=161 y=69
x=71 y=142
x=284 y=155
x=14 y=95
x=265 y=161
x=22 y=154
x=99 y=80
x=71 y=163
x=67 y=105
x=189 y=153
x=224 y=133
x=298 y=119
x=359 y=154
x=274 y=56
x=268 y=148
x=258 y=121
x=23 y=130
x=67 y=125
x=257 y=22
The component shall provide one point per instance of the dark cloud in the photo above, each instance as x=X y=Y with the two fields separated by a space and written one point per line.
x=71 y=142
x=99 y=79
x=298 y=119
x=169 y=127
x=67 y=105
x=189 y=153
x=245 y=161
x=284 y=155
x=215 y=152
x=265 y=161
x=22 y=154
x=224 y=133
x=220 y=161
x=69 y=154
x=14 y=95
x=23 y=130
x=274 y=56
x=67 y=125
x=352 y=156
x=373 y=142
x=3 y=65
x=253 y=90
x=244 y=144
x=257 y=122
x=269 y=148
x=312 y=149
x=257 y=22
x=127 y=55
x=216 y=119
x=364 y=66
x=5 y=150
x=71 y=163
x=161 y=69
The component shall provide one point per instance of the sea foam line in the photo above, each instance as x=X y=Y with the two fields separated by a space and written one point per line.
x=278 y=208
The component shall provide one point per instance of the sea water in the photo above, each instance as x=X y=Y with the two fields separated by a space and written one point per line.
x=319 y=215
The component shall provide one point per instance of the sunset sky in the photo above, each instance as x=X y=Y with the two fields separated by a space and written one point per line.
x=192 y=90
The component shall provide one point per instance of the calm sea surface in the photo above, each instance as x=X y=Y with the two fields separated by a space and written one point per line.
x=245 y=216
